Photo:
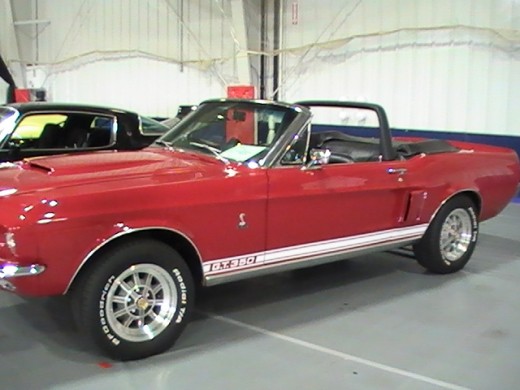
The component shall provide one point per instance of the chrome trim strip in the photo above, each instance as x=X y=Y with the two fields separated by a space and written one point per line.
x=127 y=230
x=6 y=285
x=255 y=101
x=452 y=196
x=297 y=126
x=7 y=131
x=8 y=271
x=396 y=171
x=312 y=253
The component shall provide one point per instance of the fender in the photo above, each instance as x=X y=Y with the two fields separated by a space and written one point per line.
x=454 y=194
x=125 y=230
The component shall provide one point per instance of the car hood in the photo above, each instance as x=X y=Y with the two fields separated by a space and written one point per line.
x=52 y=172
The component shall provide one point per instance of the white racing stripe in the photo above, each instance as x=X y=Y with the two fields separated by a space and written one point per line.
x=338 y=354
x=338 y=245
x=343 y=244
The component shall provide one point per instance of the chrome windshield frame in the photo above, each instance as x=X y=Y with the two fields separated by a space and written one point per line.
x=276 y=150
x=7 y=124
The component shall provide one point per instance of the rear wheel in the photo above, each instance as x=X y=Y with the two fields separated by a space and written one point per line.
x=449 y=242
x=135 y=302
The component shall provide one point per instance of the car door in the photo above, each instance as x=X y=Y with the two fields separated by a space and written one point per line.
x=336 y=207
x=335 y=201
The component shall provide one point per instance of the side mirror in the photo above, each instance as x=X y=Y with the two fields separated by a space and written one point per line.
x=318 y=157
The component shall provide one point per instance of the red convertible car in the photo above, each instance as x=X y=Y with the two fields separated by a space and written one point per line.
x=237 y=189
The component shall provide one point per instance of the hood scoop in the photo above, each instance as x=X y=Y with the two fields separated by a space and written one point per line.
x=42 y=167
x=107 y=164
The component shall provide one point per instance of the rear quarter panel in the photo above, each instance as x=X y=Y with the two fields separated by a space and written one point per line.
x=491 y=172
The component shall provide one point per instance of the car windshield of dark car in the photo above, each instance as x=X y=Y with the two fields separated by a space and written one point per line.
x=237 y=131
x=150 y=126
x=7 y=120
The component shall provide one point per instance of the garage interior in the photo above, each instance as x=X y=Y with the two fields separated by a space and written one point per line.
x=441 y=69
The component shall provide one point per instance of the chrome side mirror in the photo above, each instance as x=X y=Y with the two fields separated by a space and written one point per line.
x=317 y=158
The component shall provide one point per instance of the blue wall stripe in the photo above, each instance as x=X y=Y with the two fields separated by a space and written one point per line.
x=507 y=141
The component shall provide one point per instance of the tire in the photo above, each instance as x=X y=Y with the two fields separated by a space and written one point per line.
x=451 y=238
x=129 y=322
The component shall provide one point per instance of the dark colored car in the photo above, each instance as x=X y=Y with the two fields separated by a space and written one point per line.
x=38 y=129
x=182 y=112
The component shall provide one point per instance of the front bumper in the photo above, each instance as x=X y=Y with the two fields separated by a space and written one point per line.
x=9 y=271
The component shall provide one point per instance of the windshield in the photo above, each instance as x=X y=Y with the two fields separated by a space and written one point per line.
x=237 y=131
x=7 y=119
x=150 y=126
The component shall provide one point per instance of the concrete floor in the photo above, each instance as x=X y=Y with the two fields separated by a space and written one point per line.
x=374 y=322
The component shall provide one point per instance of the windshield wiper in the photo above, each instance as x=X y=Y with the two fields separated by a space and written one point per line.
x=215 y=151
x=166 y=144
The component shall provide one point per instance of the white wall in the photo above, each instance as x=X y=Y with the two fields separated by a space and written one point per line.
x=3 y=92
x=9 y=44
x=149 y=56
x=144 y=85
x=434 y=64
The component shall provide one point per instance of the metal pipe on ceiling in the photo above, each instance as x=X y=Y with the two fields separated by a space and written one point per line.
x=276 y=47
x=263 y=40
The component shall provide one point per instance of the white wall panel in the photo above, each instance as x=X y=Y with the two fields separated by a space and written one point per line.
x=124 y=84
x=434 y=64
x=147 y=55
x=9 y=44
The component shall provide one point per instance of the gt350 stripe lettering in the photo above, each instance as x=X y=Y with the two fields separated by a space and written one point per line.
x=310 y=250
x=223 y=265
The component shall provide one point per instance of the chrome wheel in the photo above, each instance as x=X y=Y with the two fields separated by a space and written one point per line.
x=456 y=235
x=451 y=237
x=141 y=302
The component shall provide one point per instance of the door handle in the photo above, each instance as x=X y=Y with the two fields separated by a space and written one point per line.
x=396 y=171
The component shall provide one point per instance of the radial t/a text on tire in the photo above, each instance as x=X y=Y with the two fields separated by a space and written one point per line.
x=136 y=300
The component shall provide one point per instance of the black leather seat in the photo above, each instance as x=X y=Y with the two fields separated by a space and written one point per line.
x=98 y=137
x=51 y=137
x=76 y=138
x=345 y=148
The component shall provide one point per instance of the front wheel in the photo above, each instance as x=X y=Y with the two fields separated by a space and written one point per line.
x=450 y=239
x=136 y=300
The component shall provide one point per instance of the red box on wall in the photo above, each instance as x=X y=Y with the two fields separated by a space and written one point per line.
x=22 y=95
x=241 y=91
x=241 y=125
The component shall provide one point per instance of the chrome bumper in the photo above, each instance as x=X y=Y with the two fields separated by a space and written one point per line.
x=8 y=271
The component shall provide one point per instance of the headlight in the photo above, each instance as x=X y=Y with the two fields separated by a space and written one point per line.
x=10 y=242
